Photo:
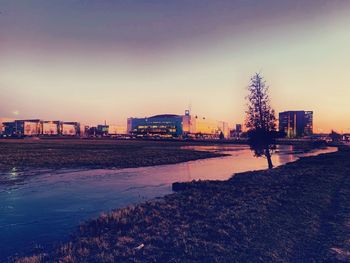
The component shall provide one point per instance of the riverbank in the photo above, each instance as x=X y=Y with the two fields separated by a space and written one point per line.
x=73 y=153
x=17 y=155
x=295 y=213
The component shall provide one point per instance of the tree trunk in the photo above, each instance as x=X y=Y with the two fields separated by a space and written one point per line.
x=268 y=156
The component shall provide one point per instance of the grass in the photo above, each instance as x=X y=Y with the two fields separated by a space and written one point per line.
x=80 y=153
x=295 y=213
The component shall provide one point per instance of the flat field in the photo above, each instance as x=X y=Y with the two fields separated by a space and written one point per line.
x=86 y=153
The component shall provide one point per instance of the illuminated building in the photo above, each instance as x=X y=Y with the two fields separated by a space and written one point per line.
x=179 y=126
x=50 y=128
x=72 y=128
x=308 y=123
x=167 y=125
x=23 y=128
x=38 y=127
x=69 y=129
x=296 y=124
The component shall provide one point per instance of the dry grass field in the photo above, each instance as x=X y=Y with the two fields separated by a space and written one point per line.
x=84 y=153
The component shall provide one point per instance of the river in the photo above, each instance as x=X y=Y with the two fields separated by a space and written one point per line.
x=47 y=207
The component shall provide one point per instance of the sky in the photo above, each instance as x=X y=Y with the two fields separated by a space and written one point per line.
x=104 y=60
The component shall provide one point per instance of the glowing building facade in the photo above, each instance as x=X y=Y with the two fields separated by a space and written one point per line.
x=50 y=128
x=38 y=127
x=296 y=124
x=23 y=128
x=166 y=125
x=179 y=126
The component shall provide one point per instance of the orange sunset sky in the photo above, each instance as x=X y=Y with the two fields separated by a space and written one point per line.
x=92 y=61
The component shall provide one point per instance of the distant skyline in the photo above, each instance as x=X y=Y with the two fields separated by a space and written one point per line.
x=93 y=61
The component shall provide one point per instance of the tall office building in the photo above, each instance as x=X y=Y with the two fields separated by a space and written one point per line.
x=309 y=123
x=296 y=124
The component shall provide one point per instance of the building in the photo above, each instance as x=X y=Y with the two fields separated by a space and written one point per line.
x=92 y=131
x=308 y=123
x=110 y=130
x=9 y=128
x=239 y=128
x=346 y=137
x=166 y=125
x=102 y=130
x=296 y=124
x=237 y=132
x=23 y=128
x=116 y=130
x=70 y=128
x=177 y=126
x=39 y=127
x=50 y=128
x=2 y=126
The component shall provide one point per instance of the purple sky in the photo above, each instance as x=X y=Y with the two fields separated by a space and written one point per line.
x=146 y=25
x=97 y=60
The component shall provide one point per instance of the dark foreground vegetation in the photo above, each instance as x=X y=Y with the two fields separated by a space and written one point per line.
x=80 y=153
x=295 y=213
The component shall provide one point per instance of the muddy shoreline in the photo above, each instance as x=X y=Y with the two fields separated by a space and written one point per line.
x=295 y=213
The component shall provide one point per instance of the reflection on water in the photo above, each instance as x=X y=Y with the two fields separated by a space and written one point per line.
x=13 y=173
x=46 y=208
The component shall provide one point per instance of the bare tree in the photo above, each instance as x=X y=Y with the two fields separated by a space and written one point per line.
x=260 y=119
